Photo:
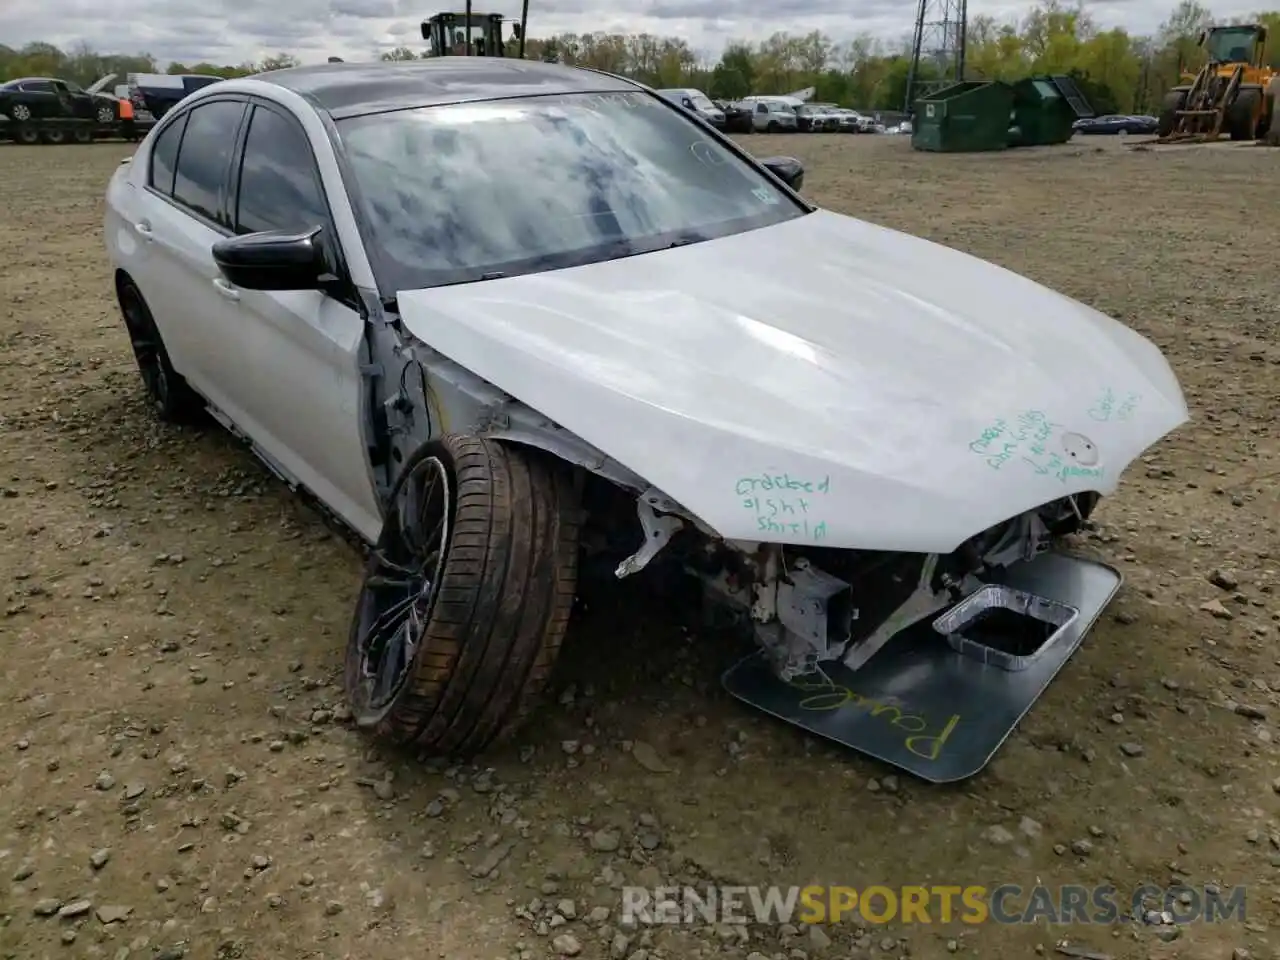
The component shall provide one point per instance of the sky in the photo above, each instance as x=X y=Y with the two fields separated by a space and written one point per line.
x=235 y=31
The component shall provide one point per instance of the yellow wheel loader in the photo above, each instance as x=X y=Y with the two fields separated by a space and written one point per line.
x=1231 y=93
x=471 y=34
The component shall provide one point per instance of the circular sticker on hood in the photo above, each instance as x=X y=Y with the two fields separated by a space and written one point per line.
x=1080 y=449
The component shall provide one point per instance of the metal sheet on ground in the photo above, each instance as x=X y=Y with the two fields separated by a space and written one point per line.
x=919 y=705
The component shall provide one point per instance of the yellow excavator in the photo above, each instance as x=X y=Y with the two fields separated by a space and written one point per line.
x=470 y=34
x=1233 y=93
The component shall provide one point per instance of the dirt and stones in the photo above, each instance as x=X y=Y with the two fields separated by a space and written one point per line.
x=179 y=776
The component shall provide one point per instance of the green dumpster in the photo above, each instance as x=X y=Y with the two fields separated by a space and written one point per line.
x=1044 y=109
x=965 y=117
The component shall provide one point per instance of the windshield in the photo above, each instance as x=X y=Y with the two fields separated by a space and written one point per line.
x=1232 y=44
x=699 y=100
x=457 y=193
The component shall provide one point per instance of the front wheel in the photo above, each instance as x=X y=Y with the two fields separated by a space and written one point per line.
x=1173 y=101
x=466 y=596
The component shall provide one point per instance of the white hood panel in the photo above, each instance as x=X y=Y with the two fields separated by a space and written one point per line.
x=824 y=381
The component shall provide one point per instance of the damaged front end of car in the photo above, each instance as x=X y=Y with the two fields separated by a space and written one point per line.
x=876 y=649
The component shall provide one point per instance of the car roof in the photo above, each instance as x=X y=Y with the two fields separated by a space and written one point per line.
x=17 y=80
x=354 y=89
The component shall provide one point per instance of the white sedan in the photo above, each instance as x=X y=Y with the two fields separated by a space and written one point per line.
x=489 y=311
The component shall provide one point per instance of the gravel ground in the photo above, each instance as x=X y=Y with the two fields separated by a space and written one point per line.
x=179 y=779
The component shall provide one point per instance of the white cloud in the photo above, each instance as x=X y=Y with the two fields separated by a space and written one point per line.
x=232 y=31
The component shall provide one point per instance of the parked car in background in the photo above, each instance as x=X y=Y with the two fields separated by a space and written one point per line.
x=36 y=109
x=155 y=94
x=696 y=102
x=738 y=117
x=848 y=121
x=811 y=119
x=773 y=116
x=1117 y=123
x=829 y=113
x=41 y=98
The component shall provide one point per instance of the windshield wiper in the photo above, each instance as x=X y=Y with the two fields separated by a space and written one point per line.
x=685 y=239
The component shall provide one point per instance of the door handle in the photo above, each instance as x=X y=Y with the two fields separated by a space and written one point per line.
x=143 y=230
x=225 y=288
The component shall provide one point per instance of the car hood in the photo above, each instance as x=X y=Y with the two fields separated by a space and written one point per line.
x=822 y=381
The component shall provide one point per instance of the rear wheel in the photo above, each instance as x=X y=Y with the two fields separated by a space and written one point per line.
x=171 y=396
x=466 y=597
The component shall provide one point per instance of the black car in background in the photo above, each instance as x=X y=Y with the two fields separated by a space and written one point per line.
x=35 y=99
x=1116 y=123
x=737 y=117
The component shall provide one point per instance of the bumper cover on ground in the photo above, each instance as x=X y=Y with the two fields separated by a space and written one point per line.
x=920 y=705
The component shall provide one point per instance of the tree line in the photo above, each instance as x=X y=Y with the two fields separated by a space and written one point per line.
x=1119 y=72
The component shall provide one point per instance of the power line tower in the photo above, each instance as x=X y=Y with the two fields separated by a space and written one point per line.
x=937 y=48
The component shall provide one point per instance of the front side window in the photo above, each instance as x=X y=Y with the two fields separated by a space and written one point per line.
x=457 y=193
x=279 y=182
x=205 y=155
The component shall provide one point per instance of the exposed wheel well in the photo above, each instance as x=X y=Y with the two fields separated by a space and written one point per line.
x=121 y=279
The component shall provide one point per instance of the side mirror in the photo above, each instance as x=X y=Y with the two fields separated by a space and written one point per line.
x=272 y=260
x=787 y=169
x=688 y=104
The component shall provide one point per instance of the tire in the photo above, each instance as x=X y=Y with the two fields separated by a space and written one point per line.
x=1169 y=108
x=20 y=113
x=55 y=135
x=771 y=127
x=491 y=620
x=27 y=135
x=170 y=395
x=106 y=116
x=1240 y=116
x=83 y=135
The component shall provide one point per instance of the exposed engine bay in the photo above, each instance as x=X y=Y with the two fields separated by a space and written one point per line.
x=812 y=606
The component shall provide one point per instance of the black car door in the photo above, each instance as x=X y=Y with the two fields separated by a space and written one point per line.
x=66 y=106
x=80 y=104
x=39 y=98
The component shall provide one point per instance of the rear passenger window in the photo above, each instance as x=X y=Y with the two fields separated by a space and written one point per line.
x=205 y=156
x=164 y=156
x=279 y=183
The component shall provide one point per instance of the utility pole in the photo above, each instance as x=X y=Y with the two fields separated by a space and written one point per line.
x=938 y=46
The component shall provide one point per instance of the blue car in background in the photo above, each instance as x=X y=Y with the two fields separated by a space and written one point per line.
x=1116 y=123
